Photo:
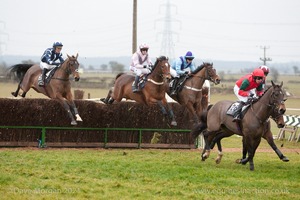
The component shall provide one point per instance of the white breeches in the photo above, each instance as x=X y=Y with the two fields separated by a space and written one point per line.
x=44 y=65
x=139 y=71
x=236 y=92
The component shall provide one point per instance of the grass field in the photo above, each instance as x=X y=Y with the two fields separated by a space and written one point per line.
x=143 y=174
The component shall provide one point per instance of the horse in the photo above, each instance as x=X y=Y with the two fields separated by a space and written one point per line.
x=190 y=95
x=58 y=88
x=275 y=115
x=153 y=92
x=252 y=127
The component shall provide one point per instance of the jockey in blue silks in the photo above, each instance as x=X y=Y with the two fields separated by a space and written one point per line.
x=48 y=60
x=179 y=67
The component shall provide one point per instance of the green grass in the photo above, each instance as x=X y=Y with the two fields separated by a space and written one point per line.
x=143 y=174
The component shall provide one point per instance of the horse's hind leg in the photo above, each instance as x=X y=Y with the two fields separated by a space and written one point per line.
x=15 y=94
x=108 y=99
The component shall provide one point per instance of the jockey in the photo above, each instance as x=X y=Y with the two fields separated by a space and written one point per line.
x=140 y=64
x=179 y=67
x=243 y=89
x=266 y=72
x=48 y=60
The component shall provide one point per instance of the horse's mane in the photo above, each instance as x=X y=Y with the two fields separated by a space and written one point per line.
x=201 y=67
x=161 y=58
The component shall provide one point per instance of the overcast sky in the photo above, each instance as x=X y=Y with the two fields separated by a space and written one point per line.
x=234 y=30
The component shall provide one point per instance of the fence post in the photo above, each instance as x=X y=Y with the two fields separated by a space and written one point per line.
x=140 y=138
x=43 y=139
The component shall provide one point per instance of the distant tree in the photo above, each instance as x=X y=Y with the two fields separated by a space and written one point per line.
x=103 y=67
x=221 y=74
x=3 y=68
x=275 y=74
x=296 y=70
x=116 y=67
x=91 y=67
x=28 y=61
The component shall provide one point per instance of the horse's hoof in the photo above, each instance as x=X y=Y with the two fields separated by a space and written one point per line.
x=238 y=161
x=203 y=158
x=285 y=159
x=14 y=94
x=103 y=100
x=78 y=118
x=174 y=123
x=218 y=160
x=73 y=123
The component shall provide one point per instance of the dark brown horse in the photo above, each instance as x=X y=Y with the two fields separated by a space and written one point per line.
x=275 y=115
x=191 y=94
x=252 y=127
x=58 y=88
x=153 y=92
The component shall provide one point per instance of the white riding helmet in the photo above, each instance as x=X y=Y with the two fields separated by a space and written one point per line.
x=144 y=46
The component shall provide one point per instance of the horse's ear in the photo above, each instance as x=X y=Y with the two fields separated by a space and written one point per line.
x=281 y=84
x=76 y=56
x=272 y=83
x=68 y=56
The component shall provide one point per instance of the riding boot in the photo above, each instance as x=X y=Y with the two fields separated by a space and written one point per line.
x=174 y=87
x=237 y=114
x=135 y=85
x=42 y=81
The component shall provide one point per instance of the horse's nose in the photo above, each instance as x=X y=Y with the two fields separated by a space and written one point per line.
x=77 y=78
x=280 y=125
x=282 y=111
x=218 y=81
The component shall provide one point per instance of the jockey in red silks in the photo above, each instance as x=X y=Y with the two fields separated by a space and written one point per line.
x=243 y=89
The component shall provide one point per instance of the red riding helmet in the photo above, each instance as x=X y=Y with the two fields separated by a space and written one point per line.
x=258 y=73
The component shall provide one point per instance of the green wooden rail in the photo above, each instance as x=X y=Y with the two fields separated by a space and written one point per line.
x=140 y=130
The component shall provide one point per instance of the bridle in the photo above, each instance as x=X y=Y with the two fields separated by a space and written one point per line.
x=72 y=65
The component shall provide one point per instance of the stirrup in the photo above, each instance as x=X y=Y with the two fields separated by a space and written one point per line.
x=41 y=84
x=236 y=119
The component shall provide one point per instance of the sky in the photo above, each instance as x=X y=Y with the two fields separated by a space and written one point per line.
x=229 y=30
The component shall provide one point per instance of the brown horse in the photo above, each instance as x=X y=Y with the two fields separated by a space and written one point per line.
x=252 y=127
x=153 y=92
x=58 y=88
x=191 y=94
x=275 y=115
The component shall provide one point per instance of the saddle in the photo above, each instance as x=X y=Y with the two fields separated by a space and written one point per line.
x=142 y=81
x=178 y=83
x=49 y=75
x=233 y=108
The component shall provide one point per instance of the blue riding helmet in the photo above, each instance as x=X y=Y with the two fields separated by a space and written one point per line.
x=189 y=55
x=57 y=44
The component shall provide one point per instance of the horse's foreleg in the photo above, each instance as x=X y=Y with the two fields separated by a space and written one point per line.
x=67 y=108
x=191 y=109
x=269 y=137
x=75 y=110
x=164 y=108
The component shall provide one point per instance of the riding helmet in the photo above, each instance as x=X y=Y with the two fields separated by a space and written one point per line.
x=57 y=44
x=265 y=69
x=258 y=73
x=189 y=55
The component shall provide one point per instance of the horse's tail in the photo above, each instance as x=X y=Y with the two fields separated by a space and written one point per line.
x=19 y=70
x=202 y=125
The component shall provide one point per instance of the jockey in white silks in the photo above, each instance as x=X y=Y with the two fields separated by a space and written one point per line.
x=140 y=64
